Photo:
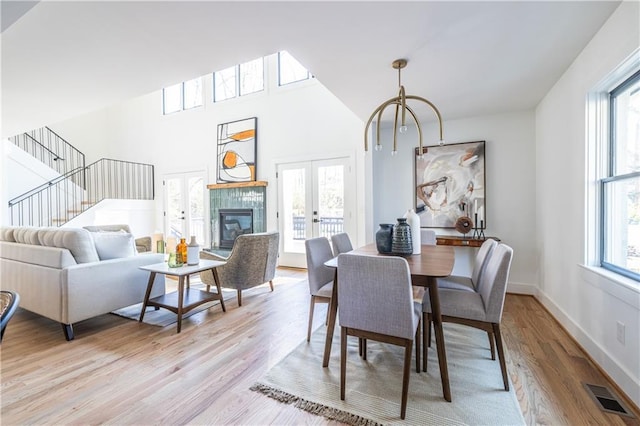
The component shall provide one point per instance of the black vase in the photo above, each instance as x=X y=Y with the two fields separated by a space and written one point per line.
x=401 y=242
x=384 y=237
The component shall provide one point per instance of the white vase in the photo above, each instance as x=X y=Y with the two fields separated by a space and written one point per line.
x=193 y=252
x=414 y=222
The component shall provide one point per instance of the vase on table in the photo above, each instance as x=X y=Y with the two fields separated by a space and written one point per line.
x=414 y=222
x=193 y=252
x=401 y=242
x=384 y=237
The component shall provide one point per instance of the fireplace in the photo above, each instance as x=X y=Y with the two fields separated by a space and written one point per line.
x=234 y=222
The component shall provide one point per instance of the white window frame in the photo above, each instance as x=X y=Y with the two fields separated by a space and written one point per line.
x=238 y=86
x=183 y=103
x=280 y=83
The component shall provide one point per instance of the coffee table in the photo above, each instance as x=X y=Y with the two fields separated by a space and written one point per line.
x=183 y=300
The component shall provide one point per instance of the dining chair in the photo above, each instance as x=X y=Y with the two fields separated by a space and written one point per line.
x=428 y=237
x=320 y=277
x=341 y=243
x=9 y=301
x=376 y=303
x=470 y=283
x=480 y=309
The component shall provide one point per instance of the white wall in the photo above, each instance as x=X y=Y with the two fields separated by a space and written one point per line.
x=297 y=122
x=586 y=303
x=510 y=185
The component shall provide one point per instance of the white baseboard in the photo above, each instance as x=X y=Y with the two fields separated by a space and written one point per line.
x=521 y=288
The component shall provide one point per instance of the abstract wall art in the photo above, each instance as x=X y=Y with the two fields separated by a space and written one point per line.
x=450 y=183
x=237 y=142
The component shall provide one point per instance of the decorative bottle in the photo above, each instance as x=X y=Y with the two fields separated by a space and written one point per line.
x=383 y=238
x=414 y=222
x=401 y=241
x=193 y=252
x=181 y=251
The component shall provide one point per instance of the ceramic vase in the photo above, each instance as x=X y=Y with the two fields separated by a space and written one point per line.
x=401 y=243
x=383 y=237
x=193 y=252
x=414 y=222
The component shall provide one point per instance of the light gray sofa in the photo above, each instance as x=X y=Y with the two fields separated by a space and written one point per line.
x=59 y=273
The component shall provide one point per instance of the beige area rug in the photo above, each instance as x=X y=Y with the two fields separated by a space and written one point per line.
x=373 y=387
x=163 y=317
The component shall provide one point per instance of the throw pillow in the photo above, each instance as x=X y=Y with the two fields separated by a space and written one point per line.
x=114 y=245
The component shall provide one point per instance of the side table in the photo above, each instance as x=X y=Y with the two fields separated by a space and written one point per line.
x=182 y=301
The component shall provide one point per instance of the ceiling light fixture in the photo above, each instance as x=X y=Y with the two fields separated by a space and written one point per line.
x=401 y=108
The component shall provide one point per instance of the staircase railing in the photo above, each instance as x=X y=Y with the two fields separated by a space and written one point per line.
x=65 y=197
x=47 y=146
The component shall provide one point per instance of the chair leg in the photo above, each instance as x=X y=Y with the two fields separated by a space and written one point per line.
x=424 y=341
x=343 y=360
x=271 y=284
x=313 y=302
x=364 y=349
x=239 y=297
x=492 y=345
x=68 y=331
x=503 y=364
x=417 y=340
x=405 y=378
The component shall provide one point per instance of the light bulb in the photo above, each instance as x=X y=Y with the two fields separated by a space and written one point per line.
x=378 y=147
x=441 y=142
x=403 y=129
x=393 y=153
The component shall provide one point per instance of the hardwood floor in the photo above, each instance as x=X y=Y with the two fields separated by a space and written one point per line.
x=119 y=371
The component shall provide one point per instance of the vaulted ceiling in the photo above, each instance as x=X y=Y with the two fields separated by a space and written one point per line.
x=63 y=59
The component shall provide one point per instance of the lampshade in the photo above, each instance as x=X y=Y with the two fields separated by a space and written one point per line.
x=401 y=109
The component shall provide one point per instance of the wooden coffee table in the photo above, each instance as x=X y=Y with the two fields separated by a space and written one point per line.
x=183 y=300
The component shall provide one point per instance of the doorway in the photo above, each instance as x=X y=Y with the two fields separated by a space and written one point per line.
x=184 y=210
x=314 y=199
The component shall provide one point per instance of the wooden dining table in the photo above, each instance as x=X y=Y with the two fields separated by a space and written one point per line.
x=433 y=262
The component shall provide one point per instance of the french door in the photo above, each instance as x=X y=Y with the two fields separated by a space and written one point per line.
x=184 y=211
x=314 y=199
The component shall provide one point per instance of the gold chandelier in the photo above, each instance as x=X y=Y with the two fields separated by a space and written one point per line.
x=401 y=109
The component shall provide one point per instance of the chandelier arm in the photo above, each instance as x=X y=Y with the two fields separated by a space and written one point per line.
x=403 y=102
x=378 y=111
x=433 y=107
x=395 y=128
x=415 y=119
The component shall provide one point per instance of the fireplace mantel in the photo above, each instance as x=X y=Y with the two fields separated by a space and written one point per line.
x=237 y=184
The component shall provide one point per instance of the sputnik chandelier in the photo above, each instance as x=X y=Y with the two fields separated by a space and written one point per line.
x=401 y=109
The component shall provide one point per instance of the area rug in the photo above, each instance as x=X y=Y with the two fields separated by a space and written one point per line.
x=373 y=387
x=163 y=317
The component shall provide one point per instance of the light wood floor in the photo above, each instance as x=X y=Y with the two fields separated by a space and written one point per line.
x=119 y=371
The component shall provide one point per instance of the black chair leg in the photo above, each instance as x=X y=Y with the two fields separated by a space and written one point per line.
x=68 y=331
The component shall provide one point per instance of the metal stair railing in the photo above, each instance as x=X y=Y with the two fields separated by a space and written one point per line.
x=48 y=147
x=60 y=200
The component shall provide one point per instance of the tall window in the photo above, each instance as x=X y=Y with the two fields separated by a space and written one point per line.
x=238 y=80
x=290 y=70
x=181 y=96
x=621 y=185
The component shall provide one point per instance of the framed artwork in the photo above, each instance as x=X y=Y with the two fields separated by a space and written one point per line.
x=450 y=183
x=237 y=144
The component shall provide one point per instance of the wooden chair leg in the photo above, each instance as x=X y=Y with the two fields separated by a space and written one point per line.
x=364 y=349
x=313 y=302
x=343 y=361
x=417 y=340
x=239 y=297
x=271 y=284
x=492 y=345
x=424 y=342
x=503 y=364
x=405 y=378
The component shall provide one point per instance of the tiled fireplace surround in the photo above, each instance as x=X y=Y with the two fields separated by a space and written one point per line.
x=242 y=195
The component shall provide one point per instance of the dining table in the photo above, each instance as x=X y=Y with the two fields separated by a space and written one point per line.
x=432 y=262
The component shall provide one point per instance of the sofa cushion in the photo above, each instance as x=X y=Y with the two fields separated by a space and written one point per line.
x=27 y=235
x=6 y=234
x=77 y=240
x=114 y=245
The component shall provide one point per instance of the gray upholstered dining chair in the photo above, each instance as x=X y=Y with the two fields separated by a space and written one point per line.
x=252 y=262
x=320 y=276
x=481 y=309
x=470 y=283
x=341 y=243
x=376 y=303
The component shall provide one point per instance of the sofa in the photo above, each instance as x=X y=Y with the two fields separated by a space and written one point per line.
x=70 y=274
